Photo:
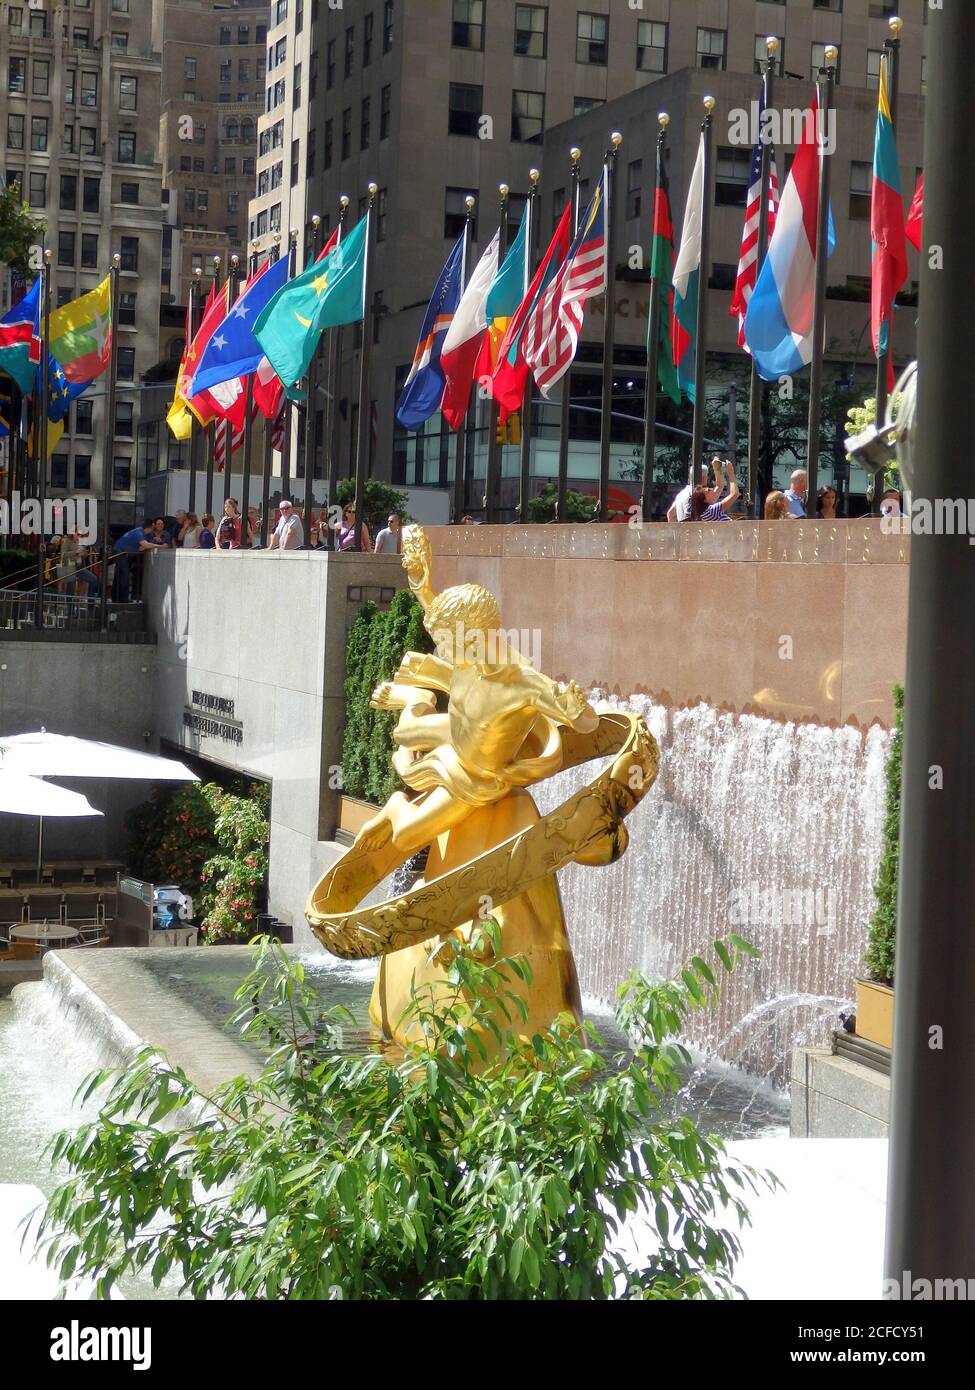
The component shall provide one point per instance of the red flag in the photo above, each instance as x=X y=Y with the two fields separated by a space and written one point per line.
x=511 y=374
x=915 y=218
x=227 y=401
x=268 y=390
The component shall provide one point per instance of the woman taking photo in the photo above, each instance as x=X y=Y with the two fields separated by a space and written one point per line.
x=701 y=510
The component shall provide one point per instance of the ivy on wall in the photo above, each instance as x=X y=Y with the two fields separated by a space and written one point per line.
x=377 y=644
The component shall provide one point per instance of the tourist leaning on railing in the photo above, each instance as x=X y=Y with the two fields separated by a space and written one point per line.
x=132 y=544
x=289 y=533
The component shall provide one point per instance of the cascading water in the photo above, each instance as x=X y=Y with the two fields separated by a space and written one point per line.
x=769 y=830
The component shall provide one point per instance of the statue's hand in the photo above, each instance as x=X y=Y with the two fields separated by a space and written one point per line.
x=411 y=666
x=383 y=697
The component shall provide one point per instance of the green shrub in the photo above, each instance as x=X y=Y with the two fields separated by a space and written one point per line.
x=236 y=877
x=440 y=1175
x=380 y=500
x=883 y=928
x=578 y=507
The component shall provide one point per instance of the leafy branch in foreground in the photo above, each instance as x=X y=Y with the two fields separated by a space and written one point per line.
x=476 y=1164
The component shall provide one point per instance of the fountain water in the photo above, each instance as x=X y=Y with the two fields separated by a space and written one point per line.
x=769 y=830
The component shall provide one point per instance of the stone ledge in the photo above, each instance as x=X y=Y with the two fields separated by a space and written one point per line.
x=835 y=1098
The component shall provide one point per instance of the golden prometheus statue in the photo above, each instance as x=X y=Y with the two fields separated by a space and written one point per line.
x=466 y=766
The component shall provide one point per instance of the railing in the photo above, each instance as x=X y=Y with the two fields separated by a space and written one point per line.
x=66 y=616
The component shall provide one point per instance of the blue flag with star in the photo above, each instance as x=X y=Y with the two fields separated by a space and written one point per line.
x=233 y=351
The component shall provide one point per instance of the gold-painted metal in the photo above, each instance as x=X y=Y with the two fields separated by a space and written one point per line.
x=505 y=726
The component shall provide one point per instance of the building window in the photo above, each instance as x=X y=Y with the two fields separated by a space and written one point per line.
x=89 y=250
x=367 y=25
x=761 y=55
x=189 y=69
x=263 y=182
x=468 y=24
x=226 y=34
x=732 y=176
x=82 y=463
x=126 y=364
x=651 y=46
x=40 y=77
x=129 y=250
x=15 y=131
x=874 y=56
x=15 y=17
x=347 y=132
x=329 y=125
x=464 y=109
x=280 y=11
x=82 y=417
x=861 y=187
x=634 y=189
x=247 y=165
x=243 y=34
x=91 y=192
x=67 y=139
x=37 y=24
x=69 y=193
x=924 y=72
x=129 y=194
x=819 y=59
x=86 y=137
x=381 y=215
x=89 y=89
x=388 y=9
x=17 y=75
x=37 y=190
x=243 y=70
x=66 y=248
x=38 y=133
x=835 y=5
x=70 y=78
x=299 y=15
x=120 y=6
x=295 y=162
x=276 y=218
x=528 y=117
x=122 y=467
x=592 y=38
x=126 y=147
x=226 y=71
x=365 y=124
x=531 y=31
x=455 y=213
x=128 y=94
x=59 y=471
x=711 y=48
x=349 y=50
x=296 y=88
x=120 y=42
x=126 y=308
x=583 y=104
x=330 y=65
x=81 y=38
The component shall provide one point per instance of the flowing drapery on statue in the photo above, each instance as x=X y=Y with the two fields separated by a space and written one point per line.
x=466 y=767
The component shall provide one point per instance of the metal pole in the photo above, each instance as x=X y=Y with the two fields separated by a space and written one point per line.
x=892 y=55
x=756 y=387
x=609 y=323
x=931 y=1200
x=40 y=432
x=704 y=272
x=108 y=464
x=819 y=306
x=245 y=489
x=524 y=485
x=311 y=404
x=196 y=435
x=289 y=408
x=562 y=486
x=212 y=433
x=333 y=427
x=463 y=442
x=494 y=456
x=362 y=443
x=653 y=336
x=233 y=291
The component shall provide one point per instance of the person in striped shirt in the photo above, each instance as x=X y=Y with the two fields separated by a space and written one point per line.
x=703 y=509
x=680 y=509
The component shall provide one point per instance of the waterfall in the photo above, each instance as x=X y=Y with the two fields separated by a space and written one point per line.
x=770 y=830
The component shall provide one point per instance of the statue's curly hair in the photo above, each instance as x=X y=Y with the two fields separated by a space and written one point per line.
x=469 y=604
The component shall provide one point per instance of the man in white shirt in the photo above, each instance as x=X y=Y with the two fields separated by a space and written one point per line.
x=388 y=540
x=289 y=533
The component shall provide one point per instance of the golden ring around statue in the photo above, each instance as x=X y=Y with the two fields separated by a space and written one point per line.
x=586 y=829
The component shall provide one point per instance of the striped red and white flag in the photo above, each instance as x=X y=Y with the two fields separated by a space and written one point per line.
x=278 y=428
x=748 y=257
x=552 y=331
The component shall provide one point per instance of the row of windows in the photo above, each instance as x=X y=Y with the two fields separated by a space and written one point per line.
x=243 y=34
x=121 y=468
x=127 y=95
x=188 y=165
x=86 y=143
x=37 y=19
x=348 y=52
x=365 y=128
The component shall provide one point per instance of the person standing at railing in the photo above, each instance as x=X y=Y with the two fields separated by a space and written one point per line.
x=134 y=543
x=227 y=535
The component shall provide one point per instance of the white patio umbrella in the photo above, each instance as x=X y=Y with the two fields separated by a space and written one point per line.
x=36 y=755
x=31 y=796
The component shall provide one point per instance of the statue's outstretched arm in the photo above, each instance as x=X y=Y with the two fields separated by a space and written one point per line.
x=425 y=670
x=565 y=705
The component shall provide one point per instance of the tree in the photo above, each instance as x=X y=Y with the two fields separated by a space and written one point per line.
x=883 y=926
x=381 y=501
x=446 y=1173
x=19 y=230
x=578 y=506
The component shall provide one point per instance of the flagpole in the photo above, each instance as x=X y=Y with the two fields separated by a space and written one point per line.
x=108 y=466
x=757 y=388
x=701 y=330
x=362 y=443
x=212 y=433
x=41 y=431
x=609 y=323
x=196 y=437
x=310 y=405
x=289 y=408
x=524 y=486
x=245 y=489
x=233 y=292
x=268 y=434
x=819 y=305
x=462 y=451
x=575 y=154
x=653 y=339
x=494 y=446
x=333 y=426
x=893 y=54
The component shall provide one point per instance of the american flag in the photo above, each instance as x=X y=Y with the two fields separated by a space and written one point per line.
x=552 y=331
x=277 y=429
x=748 y=259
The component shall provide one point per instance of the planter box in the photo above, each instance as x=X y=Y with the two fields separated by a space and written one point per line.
x=875 y=1012
x=353 y=815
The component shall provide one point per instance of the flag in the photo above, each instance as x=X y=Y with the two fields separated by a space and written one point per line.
x=178 y=417
x=60 y=393
x=889 y=268
x=278 y=428
x=915 y=218
x=748 y=256
x=507 y=291
x=20 y=341
x=687 y=279
x=326 y=295
x=81 y=334
x=268 y=390
x=780 y=319
x=220 y=443
x=552 y=331
x=424 y=387
x=233 y=351
x=511 y=373
x=466 y=336
x=662 y=281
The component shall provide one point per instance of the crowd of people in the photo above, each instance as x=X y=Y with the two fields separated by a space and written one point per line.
x=708 y=502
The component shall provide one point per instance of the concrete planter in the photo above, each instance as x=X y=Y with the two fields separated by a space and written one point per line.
x=353 y=814
x=875 y=1012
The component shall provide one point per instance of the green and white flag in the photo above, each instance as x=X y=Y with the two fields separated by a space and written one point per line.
x=326 y=295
